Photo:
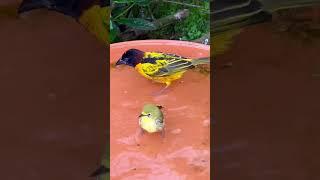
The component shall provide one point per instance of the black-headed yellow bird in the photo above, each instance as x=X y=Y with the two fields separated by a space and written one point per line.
x=159 y=67
x=231 y=16
x=92 y=14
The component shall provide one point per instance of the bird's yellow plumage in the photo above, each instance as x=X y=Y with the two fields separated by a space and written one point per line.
x=151 y=119
x=159 y=67
x=147 y=69
x=148 y=124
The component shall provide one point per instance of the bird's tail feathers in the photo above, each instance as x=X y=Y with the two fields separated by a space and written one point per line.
x=205 y=60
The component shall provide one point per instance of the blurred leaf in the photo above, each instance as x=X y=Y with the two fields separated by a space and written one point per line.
x=95 y=20
x=137 y=23
x=114 y=30
x=143 y=3
x=104 y=13
x=123 y=1
x=131 y=1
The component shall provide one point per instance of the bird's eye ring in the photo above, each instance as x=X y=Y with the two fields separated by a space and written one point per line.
x=149 y=114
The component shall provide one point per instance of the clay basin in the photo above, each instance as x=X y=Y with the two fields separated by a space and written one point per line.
x=184 y=152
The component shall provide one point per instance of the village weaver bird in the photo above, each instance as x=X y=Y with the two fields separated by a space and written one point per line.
x=151 y=119
x=230 y=17
x=159 y=67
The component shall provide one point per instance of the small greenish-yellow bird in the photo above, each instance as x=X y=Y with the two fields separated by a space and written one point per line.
x=151 y=119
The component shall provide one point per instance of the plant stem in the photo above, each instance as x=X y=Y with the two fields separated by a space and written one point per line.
x=150 y=12
x=205 y=39
x=159 y=23
x=125 y=11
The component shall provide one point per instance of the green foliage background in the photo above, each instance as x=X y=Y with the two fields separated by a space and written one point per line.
x=139 y=14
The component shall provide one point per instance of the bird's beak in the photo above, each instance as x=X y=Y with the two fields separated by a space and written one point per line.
x=119 y=62
x=141 y=115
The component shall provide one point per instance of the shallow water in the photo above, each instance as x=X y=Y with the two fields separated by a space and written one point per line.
x=184 y=153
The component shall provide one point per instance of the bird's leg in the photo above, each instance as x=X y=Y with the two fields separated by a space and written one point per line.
x=138 y=134
x=141 y=131
x=162 y=133
x=162 y=90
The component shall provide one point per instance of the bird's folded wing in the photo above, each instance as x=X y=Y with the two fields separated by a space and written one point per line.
x=174 y=66
x=166 y=67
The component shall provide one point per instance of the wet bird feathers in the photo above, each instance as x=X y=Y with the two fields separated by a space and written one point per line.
x=160 y=64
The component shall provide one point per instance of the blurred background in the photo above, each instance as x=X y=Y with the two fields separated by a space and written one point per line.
x=53 y=96
x=266 y=96
x=160 y=19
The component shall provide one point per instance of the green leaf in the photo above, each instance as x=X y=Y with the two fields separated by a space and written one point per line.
x=114 y=30
x=137 y=23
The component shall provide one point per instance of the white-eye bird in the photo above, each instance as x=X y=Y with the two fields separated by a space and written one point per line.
x=151 y=119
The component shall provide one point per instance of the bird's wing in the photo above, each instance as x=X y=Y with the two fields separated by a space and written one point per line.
x=165 y=66
x=159 y=122
x=175 y=65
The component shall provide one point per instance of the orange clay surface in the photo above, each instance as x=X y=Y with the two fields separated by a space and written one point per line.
x=184 y=152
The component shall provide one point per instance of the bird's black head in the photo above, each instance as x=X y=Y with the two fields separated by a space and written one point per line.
x=132 y=57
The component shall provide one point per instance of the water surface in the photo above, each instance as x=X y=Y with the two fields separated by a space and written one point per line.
x=184 y=152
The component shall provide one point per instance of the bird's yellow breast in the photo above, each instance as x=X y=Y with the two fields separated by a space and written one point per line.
x=147 y=68
x=148 y=124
